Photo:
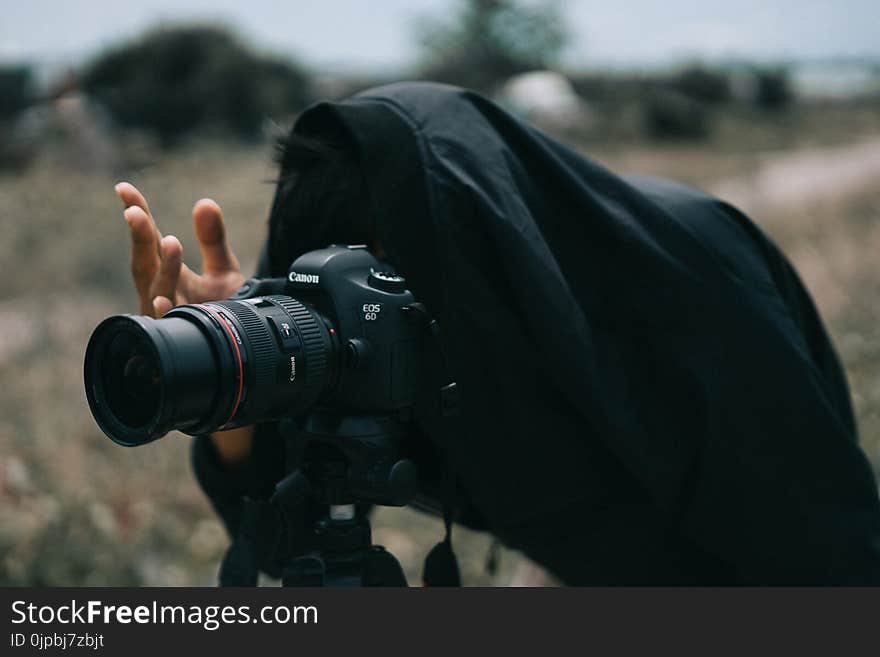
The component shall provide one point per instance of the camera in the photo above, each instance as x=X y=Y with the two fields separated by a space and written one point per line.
x=334 y=333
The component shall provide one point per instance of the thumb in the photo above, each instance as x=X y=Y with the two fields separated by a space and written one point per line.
x=161 y=305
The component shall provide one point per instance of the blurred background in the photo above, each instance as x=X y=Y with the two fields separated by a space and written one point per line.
x=774 y=106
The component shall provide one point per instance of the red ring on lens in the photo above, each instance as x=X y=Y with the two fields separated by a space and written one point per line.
x=228 y=328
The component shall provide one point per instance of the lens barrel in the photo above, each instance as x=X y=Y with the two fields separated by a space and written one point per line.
x=205 y=367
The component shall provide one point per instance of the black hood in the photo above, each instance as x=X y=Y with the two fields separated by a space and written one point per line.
x=616 y=342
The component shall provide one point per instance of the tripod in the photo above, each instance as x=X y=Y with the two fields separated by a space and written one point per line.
x=343 y=461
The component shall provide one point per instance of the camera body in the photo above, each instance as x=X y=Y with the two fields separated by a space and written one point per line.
x=333 y=334
x=376 y=361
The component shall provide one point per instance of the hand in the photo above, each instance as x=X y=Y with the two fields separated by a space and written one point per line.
x=160 y=276
x=163 y=280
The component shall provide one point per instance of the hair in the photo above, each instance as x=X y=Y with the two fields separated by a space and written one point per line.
x=321 y=198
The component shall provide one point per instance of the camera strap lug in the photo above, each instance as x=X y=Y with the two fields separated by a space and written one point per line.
x=448 y=391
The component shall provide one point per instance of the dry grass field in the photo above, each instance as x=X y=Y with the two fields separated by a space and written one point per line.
x=77 y=509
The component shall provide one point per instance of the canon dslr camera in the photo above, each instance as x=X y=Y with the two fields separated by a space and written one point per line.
x=335 y=333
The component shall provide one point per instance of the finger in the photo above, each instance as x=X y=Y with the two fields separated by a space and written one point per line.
x=146 y=306
x=189 y=286
x=131 y=196
x=161 y=305
x=144 y=248
x=167 y=279
x=217 y=256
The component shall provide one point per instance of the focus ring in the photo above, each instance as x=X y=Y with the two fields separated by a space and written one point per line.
x=257 y=336
x=313 y=343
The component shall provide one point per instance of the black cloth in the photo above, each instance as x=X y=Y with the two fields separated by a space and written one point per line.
x=648 y=395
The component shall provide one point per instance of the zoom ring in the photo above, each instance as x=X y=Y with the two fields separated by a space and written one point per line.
x=257 y=337
x=313 y=343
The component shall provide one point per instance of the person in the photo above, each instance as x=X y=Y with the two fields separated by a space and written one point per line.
x=647 y=392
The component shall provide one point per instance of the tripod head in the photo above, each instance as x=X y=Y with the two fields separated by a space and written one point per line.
x=343 y=462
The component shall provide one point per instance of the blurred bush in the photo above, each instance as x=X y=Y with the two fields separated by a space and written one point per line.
x=772 y=88
x=178 y=80
x=703 y=84
x=488 y=41
x=672 y=115
x=16 y=94
x=16 y=90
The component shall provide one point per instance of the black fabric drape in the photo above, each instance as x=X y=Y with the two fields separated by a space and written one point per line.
x=647 y=392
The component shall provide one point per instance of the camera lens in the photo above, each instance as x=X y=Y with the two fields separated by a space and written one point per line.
x=132 y=379
x=141 y=380
x=206 y=367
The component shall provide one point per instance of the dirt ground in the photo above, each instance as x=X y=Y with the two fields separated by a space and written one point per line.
x=78 y=509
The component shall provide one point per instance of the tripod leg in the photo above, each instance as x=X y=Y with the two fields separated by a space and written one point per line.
x=239 y=566
x=308 y=570
x=381 y=568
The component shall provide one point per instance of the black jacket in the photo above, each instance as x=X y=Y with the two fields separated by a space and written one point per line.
x=648 y=394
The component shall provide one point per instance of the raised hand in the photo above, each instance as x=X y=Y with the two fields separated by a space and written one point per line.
x=163 y=280
x=160 y=276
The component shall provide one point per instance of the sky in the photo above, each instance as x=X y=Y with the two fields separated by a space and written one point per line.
x=378 y=34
